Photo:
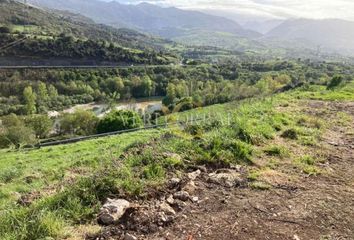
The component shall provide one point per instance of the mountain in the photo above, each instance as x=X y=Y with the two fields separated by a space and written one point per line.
x=328 y=34
x=262 y=26
x=31 y=33
x=147 y=17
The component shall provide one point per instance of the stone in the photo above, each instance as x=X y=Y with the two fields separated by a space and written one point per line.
x=203 y=169
x=112 y=211
x=193 y=175
x=195 y=199
x=228 y=178
x=129 y=236
x=164 y=219
x=179 y=205
x=170 y=200
x=174 y=182
x=181 y=195
x=190 y=187
x=167 y=209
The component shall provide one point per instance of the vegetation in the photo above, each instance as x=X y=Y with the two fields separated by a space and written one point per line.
x=119 y=120
x=234 y=136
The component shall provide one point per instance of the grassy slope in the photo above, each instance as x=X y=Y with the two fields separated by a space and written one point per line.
x=27 y=171
x=257 y=134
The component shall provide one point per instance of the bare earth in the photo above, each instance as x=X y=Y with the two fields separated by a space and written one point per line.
x=296 y=207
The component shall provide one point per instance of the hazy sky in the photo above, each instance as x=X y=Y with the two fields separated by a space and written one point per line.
x=343 y=9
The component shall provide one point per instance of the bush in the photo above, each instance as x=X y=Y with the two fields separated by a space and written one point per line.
x=335 y=82
x=5 y=29
x=13 y=132
x=41 y=125
x=119 y=120
x=290 y=134
x=79 y=123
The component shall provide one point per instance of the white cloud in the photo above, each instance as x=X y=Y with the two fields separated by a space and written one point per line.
x=343 y=9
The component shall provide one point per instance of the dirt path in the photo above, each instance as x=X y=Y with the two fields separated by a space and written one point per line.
x=316 y=207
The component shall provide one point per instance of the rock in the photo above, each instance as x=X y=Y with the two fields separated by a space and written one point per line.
x=190 y=187
x=193 y=175
x=238 y=168
x=174 y=182
x=167 y=209
x=128 y=236
x=229 y=178
x=203 y=169
x=179 y=205
x=296 y=237
x=181 y=195
x=195 y=199
x=112 y=211
x=173 y=155
x=164 y=219
x=170 y=200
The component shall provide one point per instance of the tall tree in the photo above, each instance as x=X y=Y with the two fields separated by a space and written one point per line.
x=30 y=100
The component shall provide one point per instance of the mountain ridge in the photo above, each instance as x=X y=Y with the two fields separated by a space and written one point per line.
x=330 y=34
x=147 y=17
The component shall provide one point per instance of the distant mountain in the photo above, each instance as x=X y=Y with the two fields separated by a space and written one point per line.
x=262 y=26
x=34 y=34
x=329 y=34
x=147 y=17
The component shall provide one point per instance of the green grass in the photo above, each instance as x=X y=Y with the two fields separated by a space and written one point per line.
x=306 y=164
x=279 y=151
x=343 y=93
x=26 y=171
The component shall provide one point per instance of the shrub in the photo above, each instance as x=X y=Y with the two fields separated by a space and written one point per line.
x=335 y=82
x=16 y=136
x=5 y=29
x=41 y=125
x=290 y=134
x=80 y=123
x=119 y=120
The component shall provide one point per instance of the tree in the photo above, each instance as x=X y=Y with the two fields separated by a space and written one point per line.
x=41 y=125
x=42 y=92
x=335 y=82
x=52 y=92
x=13 y=132
x=30 y=100
x=78 y=123
x=42 y=97
x=119 y=120
x=171 y=94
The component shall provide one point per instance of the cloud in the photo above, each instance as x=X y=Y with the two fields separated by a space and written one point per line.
x=319 y=9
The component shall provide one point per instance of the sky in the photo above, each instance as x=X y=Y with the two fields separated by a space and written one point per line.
x=319 y=9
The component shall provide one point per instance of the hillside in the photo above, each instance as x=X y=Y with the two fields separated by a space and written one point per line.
x=329 y=34
x=264 y=165
x=147 y=17
x=65 y=35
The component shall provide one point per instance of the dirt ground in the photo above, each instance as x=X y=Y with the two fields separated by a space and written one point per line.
x=296 y=207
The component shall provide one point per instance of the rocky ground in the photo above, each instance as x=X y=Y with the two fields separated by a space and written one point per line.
x=220 y=204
